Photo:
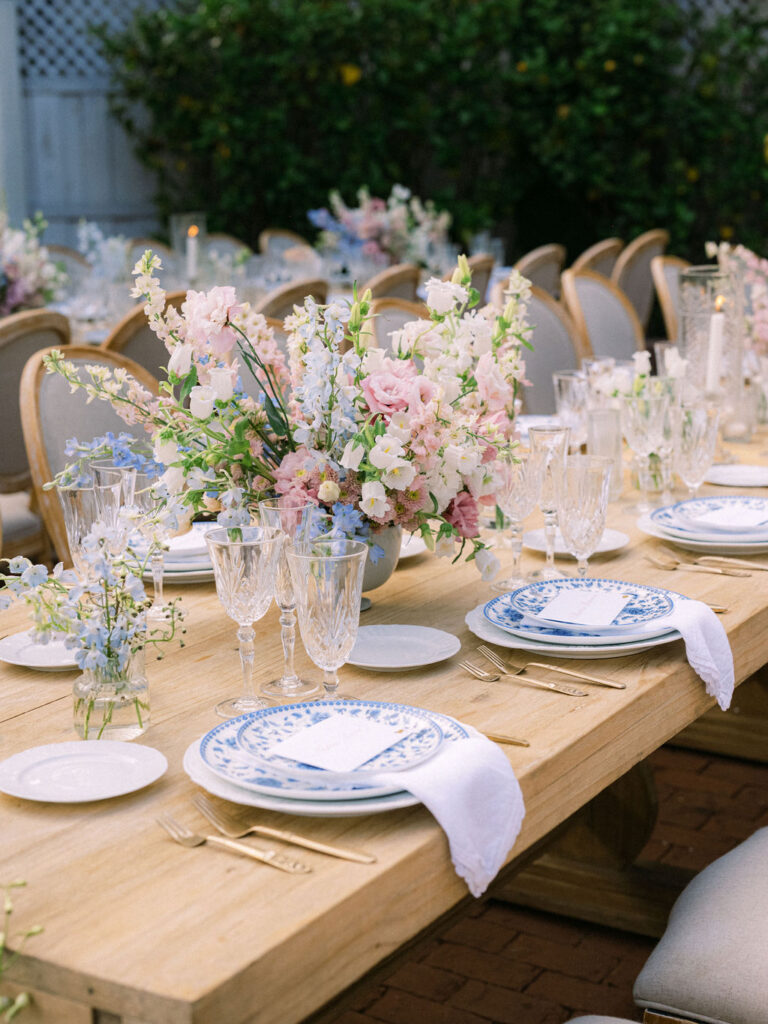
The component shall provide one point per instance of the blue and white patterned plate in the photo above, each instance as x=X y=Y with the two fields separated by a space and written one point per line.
x=680 y=519
x=224 y=756
x=292 y=802
x=705 y=547
x=634 y=622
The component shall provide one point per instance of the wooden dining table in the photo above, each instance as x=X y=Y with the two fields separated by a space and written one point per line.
x=139 y=929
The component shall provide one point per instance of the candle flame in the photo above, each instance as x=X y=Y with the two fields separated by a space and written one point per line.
x=719 y=303
x=193 y=231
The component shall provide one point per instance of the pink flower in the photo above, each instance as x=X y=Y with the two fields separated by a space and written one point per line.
x=208 y=315
x=463 y=514
x=294 y=472
x=491 y=386
x=389 y=390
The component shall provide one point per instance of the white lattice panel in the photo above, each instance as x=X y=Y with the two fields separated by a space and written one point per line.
x=55 y=40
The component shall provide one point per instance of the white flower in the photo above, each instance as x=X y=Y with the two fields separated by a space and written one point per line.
x=399 y=474
x=487 y=563
x=387 y=450
x=328 y=491
x=220 y=378
x=181 y=360
x=353 y=455
x=201 y=400
x=444 y=547
x=374 y=498
x=173 y=479
x=165 y=452
x=443 y=296
x=400 y=426
x=674 y=364
x=642 y=363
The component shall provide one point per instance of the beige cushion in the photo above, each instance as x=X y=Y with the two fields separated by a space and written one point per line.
x=18 y=519
x=712 y=962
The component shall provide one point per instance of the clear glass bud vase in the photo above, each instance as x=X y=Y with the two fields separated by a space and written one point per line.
x=112 y=703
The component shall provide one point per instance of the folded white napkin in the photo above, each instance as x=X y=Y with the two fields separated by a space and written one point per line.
x=471 y=790
x=706 y=646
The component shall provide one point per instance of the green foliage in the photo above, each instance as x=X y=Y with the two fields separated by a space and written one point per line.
x=544 y=120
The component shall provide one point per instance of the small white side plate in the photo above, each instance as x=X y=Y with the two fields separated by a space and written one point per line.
x=384 y=648
x=20 y=649
x=736 y=475
x=412 y=544
x=75 y=772
x=612 y=540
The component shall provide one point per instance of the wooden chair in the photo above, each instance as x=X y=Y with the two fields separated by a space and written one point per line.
x=74 y=262
x=134 y=338
x=600 y=257
x=665 y=271
x=226 y=245
x=250 y=385
x=278 y=239
x=51 y=414
x=542 y=267
x=398 y=282
x=390 y=315
x=136 y=247
x=648 y=1018
x=280 y=301
x=632 y=272
x=481 y=266
x=557 y=346
x=604 y=316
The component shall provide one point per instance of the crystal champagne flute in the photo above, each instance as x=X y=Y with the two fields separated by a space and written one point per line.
x=643 y=418
x=518 y=493
x=550 y=444
x=584 y=505
x=695 y=443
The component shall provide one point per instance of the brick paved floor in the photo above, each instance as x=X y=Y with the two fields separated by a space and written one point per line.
x=505 y=965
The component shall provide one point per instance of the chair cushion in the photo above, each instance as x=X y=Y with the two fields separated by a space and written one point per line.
x=18 y=519
x=712 y=962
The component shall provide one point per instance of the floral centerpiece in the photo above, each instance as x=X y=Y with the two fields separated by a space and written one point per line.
x=107 y=254
x=375 y=438
x=394 y=230
x=28 y=278
x=752 y=271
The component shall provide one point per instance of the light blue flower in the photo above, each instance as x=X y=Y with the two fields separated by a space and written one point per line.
x=18 y=564
x=34 y=576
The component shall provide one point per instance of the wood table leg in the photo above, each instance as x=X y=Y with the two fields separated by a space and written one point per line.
x=590 y=870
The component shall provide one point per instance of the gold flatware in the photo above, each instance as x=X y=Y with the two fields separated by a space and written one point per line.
x=500 y=663
x=722 y=560
x=500 y=737
x=233 y=827
x=543 y=684
x=668 y=563
x=181 y=834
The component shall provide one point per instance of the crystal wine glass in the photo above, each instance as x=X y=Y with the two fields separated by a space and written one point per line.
x=695 y=443
x=584 y=505
x=550 y=444
x=571 y=401
x=83 y=507
x=642 y=419
x=244 y=564
x=148 y=501
x=328 y=581
x=518 y=493
x=294 y=521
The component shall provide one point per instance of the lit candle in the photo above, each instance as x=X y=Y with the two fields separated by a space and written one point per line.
x=715 y=352
x=192 y=252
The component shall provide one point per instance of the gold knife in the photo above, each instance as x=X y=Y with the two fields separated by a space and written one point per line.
x=500 y=737
x=311 y=844
x=578 y=675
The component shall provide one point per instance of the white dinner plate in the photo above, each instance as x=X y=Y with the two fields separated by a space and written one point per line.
x=172 y=577
x=737 y=475
x=411 y=545
x=77 y=771
x=679 y=520
x=714 y=547
x=20 y=649
x=388 y=648
x=612 y=540
x=187 y=547
x=485 y=630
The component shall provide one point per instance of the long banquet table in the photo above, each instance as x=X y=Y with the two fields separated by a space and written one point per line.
x=145 y=930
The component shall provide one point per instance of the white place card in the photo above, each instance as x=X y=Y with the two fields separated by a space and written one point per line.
x=585 y=607
x=728 y=516
x=340 y=743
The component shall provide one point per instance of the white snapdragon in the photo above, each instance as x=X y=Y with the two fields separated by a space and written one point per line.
x=353 y=455
x=373 y=501
x=201 y=399
x=444 y=296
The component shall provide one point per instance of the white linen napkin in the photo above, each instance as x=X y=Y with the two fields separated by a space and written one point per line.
x=706 y=646
x=471 y=790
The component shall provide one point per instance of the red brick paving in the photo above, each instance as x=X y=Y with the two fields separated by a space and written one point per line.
x=506 y=965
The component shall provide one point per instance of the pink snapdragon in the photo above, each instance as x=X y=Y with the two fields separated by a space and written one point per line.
x=208 y=315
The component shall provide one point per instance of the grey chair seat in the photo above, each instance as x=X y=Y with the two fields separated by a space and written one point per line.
x=19 y=521
x=712 y=963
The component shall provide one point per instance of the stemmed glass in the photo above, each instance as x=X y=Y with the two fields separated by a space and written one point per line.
x=584 y=505
x=518 y=493
x=642 y=419
x=106 y=473
x=550 y=445
x=83 y=507
x=295 y=524
x=571 y=401
x=148 y=501
x=695 y=443
x=328 y=582
x=244 y=564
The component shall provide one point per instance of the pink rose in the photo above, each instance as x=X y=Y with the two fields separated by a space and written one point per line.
x=389 y=390
x=463 y=514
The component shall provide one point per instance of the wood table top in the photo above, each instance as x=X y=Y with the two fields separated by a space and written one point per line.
x=153 y=932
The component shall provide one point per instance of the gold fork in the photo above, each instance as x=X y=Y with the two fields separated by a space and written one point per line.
x=233 y=827
x=489 y=677
x=672 y=564
x=181 y=834
x=500 y=663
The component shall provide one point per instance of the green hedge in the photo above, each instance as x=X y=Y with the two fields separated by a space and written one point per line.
x=544 y=120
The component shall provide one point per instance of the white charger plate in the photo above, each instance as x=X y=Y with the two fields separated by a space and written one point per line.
x=612 y=540
x=387 y=648
x=78 y=771
x=485 y=630
x=675 y=521
x=411 y=545
x=737 y=475
x=172 y=577
x=20 y=649
x=710 y=547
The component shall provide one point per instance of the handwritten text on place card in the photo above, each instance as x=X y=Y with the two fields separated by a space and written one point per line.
x=585 y=607
x=340 y=743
